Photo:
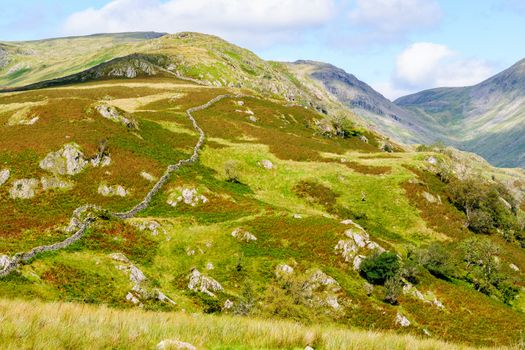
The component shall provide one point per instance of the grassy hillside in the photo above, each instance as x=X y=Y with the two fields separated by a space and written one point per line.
x=65 y=326
x=274 y=222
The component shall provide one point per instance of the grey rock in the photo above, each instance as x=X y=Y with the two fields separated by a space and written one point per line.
x=172 y=344
x=4 y=176
x=204 y=284
x=24 y=188
x=69 y=160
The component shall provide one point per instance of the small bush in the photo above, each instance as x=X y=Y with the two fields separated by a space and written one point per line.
x=379 y=267
x=231 y=171
x=393 y=289
x=437 y=260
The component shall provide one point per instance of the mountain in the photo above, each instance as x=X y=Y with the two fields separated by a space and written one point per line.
x=162 y=177
x=488 y=118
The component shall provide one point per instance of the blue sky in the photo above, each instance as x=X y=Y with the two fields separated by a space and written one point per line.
x=397 y=46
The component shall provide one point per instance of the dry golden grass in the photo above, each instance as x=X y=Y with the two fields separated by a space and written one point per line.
x=35 y=325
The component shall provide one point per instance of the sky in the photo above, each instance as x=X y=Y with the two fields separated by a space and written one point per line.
x=397 y=46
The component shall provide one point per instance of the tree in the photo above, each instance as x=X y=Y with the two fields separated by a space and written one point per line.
x=379 y=267
x=481 y=263
x=393 y=289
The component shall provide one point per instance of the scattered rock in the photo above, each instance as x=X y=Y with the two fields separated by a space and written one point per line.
x=148 y=176
x=253 y=119
x=432 y=160
x=171 y=344
x=319 y=278
x=228 y=304
x=23 y=117
x=69 y=160
x=111 y=113
x=283 y=270
x=357 y=262
x=4 y=176
x=24 y=188
x=347 y=249
x=297 y=216
x=402 y=320
x=138 y=292
x=112 y=191
x=209 y=266
x=102 y=161
x=240 y=103
x=514 y=267
x=308 y=347
x=55 y=182
x=265 y=163
x=427 y=332
x=243 y=235
x=364 y=139
x=249 y=111
x=188 y=196
x=203 y=284
x=151 y=225
x=429 y=197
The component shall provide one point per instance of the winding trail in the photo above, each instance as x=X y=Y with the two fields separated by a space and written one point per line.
x=93 y=213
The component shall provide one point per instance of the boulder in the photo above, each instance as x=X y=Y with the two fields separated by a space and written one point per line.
x=4 y=176
x=148 y=176
x=171 y=344
x=4 y=261
x=283 y=270
x=402 y=320
x=200 y=283
x=24 y=188
x=429 y=197
x=228 y=304
x=514 y=267
x=69 y=160
x=360 y=238
x=266 y=164
x=243 y=235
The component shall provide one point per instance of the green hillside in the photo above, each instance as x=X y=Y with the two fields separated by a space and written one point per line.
x=256 y=201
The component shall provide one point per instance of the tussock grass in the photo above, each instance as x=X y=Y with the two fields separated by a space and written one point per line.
x=35 y=325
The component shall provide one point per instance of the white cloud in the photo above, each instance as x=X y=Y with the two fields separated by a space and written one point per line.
x=383 y=20
x=427 y=65
x=233 y=19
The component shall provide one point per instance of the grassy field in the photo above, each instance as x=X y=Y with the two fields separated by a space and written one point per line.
x=35 y=325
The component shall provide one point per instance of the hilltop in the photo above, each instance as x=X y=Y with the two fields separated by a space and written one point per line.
x=181 y=173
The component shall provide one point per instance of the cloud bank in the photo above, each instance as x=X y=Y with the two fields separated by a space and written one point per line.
x=240 y=20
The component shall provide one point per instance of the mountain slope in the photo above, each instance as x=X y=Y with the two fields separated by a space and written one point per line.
x=272 y=211
x=363 y=100
x=488 y=118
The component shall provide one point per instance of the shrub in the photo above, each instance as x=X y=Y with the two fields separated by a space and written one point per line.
x=437 y=260
x=231 y=171
x=411 y=270
x=379 y=267
x=393 y=289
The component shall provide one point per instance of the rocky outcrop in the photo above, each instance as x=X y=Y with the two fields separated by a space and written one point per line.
x=139 y=292
x=427 y=298
x=401 y=320
x=204 y=284
x=113 y=114
x=321 y=290
x=356 y=248
x=55 y=182
x=24 y=189
x=69 y=160
x=242 y=235
x=112 y=191
x=186 y=195
x=4 y=176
